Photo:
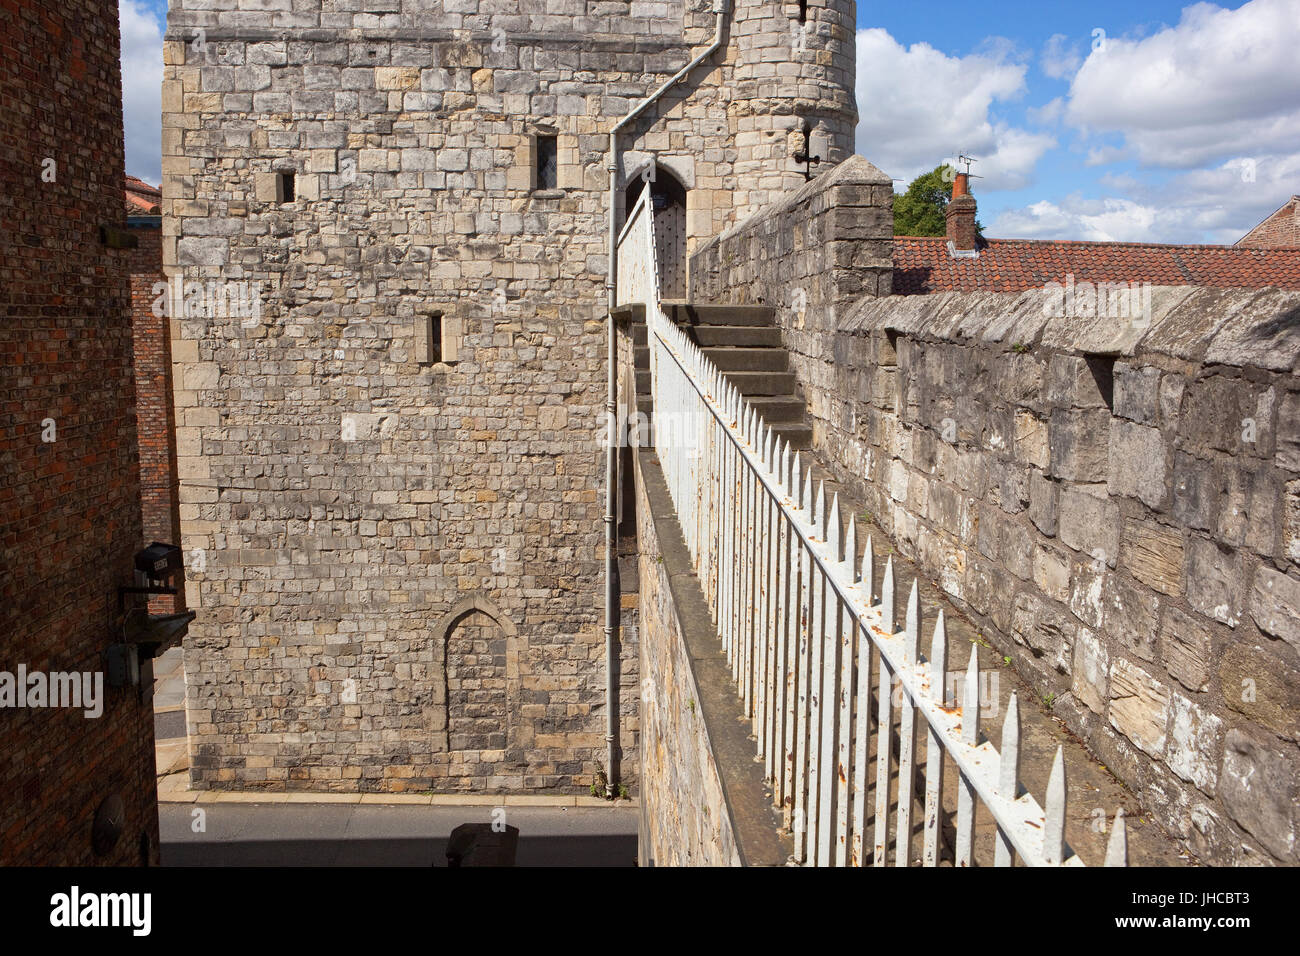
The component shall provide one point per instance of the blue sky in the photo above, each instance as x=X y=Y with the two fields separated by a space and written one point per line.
x=1134 y=121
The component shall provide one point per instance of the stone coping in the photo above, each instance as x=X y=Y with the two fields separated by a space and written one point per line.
x=754 y=820
x=1244 y=328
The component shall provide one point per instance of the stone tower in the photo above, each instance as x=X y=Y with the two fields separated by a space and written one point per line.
x=390 y=467
x=794 y=70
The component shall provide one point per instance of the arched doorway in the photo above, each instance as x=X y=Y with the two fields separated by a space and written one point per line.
x=668 y=198
x=475 y=643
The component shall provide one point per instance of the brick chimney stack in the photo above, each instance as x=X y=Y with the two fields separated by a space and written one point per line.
x=961 y=215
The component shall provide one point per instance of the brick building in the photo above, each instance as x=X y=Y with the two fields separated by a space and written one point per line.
x=155 y=411
x=1280 y=230
x=79 y=787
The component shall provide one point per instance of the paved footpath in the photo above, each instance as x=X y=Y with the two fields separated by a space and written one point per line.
x=357 y=834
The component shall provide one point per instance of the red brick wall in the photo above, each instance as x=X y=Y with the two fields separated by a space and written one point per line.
x=69 y=509
x=1280 y=230
x=155 y=414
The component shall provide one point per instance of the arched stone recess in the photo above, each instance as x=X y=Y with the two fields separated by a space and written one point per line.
x=477 y=644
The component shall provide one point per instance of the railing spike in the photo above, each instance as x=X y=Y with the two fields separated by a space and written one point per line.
x=819 y=515
x=833 y=528
x=1054 y=817
x=1008 y=777
x=939 y=659
x=912 y=625
x=795 y=475
x=851 y=549
x=887 y=596
x=807 y=494
x=1009 y=763
x=970 y=700
x=869 y=571
x=785 y=466
x=1117 y=845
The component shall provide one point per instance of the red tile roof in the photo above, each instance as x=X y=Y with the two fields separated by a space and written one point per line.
x=141 y=198
x=924 y=265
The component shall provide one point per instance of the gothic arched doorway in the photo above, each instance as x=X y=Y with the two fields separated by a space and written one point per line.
x=668 y=199
x=474 y=641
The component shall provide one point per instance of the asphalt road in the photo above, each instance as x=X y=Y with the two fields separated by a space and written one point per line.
x=370 y=835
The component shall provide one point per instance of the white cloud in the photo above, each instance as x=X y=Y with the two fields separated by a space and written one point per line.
x=919 y=107
x=142 y=67
x=1049 y=114
x=1060 y=59
x=1217 y=205
x=1219 y=83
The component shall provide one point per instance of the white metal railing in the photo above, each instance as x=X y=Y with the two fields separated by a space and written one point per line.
x=801 y=627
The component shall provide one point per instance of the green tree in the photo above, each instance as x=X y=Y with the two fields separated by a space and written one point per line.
x=919 y=211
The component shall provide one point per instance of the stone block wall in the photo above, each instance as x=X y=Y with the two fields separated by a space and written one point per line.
x=1115 y=500
x=69 y=475
x=811 y=255
x=1118 y=501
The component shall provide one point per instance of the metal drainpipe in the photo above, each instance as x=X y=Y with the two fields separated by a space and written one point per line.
x=612 y=602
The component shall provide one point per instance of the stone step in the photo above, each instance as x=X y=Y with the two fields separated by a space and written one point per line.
x=685 y=313
x=747 y=382
x=760 y=383
x=777 y=409
x=731 y=359
x=798 y=434
x=743 y=336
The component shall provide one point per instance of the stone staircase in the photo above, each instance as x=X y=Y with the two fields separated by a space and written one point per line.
x=745 y=345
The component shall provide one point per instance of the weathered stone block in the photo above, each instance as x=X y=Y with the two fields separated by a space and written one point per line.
x=1288 y=433
x=1079 y=444
x=1138 y=466
x=1072 y=384
x=1195 y=739
x=1044 y=496
x=1137 y=393
x=1088 y=580
x=1044 y=630
x=1172 y=388
x=1008 y=486
x=1132 y=614
x=1139 y=706
x=1090 y=524
x=1091 y=671
x=1186 y=648
x=1263 y=687
x=1032 y=445
x=1214 y=581
x=1291 y=534
x=1250 y=512
x=1197 y=490
x=1153 y=554
x=203 y=251
x=1223 y=413
x=1275 y=605
x=1052 y=572
x=1258 y=786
